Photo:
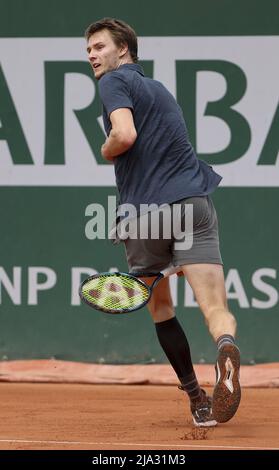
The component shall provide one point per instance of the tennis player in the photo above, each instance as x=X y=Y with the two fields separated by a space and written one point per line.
x=148 y=143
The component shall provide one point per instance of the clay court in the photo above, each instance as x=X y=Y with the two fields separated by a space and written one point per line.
x=127 y=416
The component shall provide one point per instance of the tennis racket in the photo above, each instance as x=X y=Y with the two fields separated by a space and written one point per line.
x=119 y=292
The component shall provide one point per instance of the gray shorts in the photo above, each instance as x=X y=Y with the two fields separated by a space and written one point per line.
x=157 y=254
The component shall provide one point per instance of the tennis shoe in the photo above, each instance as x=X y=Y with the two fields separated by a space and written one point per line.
x=202 y=412
x=227 y=391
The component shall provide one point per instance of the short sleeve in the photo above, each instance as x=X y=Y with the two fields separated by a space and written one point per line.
x=114 y=92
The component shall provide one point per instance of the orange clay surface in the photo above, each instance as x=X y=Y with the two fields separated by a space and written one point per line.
x=74 y=416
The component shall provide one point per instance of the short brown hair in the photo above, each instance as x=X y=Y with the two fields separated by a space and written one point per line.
x=121 y=33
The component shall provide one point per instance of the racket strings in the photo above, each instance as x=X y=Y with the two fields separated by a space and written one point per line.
x=115 y=292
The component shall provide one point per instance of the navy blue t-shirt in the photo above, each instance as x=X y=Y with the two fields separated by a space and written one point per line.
x=161 y=167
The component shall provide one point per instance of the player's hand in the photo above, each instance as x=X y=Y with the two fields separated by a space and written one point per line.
x=104 y=154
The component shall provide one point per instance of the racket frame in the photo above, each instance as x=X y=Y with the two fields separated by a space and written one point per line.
x=134 y=276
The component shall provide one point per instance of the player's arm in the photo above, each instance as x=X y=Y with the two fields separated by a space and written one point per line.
x=122 y=135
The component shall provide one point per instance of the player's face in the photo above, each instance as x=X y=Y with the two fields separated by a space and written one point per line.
x=104 y=55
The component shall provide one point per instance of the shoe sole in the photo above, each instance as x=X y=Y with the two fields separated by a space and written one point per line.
x=208 y=424
x=227 y=391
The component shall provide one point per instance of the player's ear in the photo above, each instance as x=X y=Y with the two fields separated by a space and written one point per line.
x=123 y=49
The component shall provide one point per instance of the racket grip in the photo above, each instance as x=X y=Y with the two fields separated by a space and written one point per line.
x=172 y=270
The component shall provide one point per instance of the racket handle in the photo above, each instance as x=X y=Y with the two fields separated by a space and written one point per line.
x=171 y=270
x=165 y=273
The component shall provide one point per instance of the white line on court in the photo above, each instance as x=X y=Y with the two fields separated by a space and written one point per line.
x=129 y=444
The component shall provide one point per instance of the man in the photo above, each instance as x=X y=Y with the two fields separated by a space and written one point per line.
x=156 y=164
